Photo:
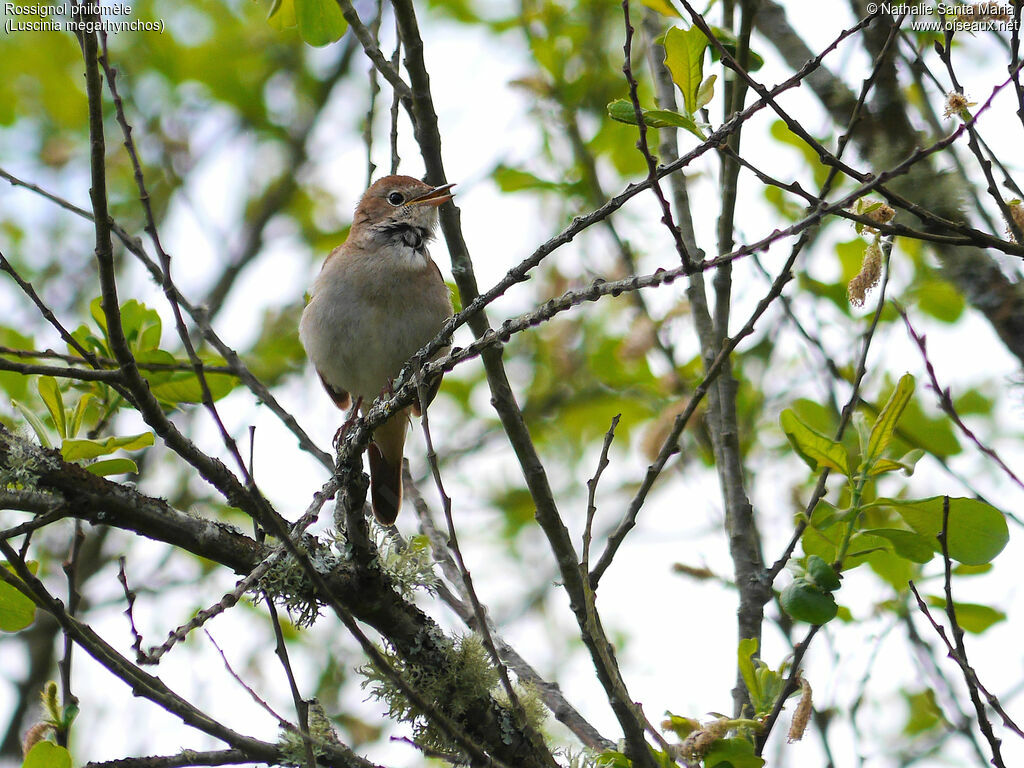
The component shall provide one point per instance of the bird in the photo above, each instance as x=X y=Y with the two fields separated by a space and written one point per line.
x=378 y=299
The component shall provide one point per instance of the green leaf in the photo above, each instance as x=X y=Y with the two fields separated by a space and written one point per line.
x=79 y=415
x=184 y=387
x=917 y=430
x=622 y=111
x=49 y=391
x=684 y=56
x=851 y=256
x=814 y=448
x=881 y=466
x=735 y=752
x=511 y=179
x=664 y=7
x=83 y=448
x=16 y=610
x=612 y=759
x=118 y=466
x=46 y=754
x=906 y=464
x=940 y=299
x=972 y=570
x=706 y=91
x=771 y=684
x=824 y=515
x=679 y=725
x=320 y=21
x=822 y=574
x=282 y=15
x=924 y=714
x=35 y=422
x=153 y=357
x=862 y=547
x=745 y=653
x=142 y=326
x=977 y=531
x=885 y=424
x=973 y=617
x=730 y=42
x=781 y=132
x=908 y=544
x=895 y=571
x=70 y=713
x=973 y=402
x=13 y=383
x=804 y=601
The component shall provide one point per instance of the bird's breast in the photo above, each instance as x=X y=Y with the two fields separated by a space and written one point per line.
x=369 y=314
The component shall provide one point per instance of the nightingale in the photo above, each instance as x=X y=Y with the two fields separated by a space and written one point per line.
x=378 y=299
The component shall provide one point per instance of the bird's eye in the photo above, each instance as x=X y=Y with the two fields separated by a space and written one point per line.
x=396 y=198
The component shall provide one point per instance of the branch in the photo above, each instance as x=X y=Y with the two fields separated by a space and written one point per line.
x=973 y=271
x=549 y=692
x=503 y=399
x=183 y=759
x=170 y=291
x=142 y=683
x=958 y=651
x=652 y=165
x=535 y=739
x=352 y=593
x=792 y=682
x=211 y=469
x=945 y=399
x=373 y=53
x=61 y=372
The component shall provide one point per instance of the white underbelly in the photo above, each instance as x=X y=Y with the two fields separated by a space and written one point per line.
x=359 y=345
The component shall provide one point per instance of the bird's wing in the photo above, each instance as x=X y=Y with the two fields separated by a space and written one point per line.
x=341 y=398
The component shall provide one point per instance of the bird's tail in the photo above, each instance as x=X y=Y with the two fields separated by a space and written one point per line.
x=385 y=455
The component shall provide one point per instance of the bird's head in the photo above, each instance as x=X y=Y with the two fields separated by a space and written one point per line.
x=401 y=201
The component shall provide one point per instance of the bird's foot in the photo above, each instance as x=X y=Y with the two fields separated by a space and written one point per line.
x=353 y=414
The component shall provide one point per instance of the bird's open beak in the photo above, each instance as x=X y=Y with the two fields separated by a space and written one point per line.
x=434 y=197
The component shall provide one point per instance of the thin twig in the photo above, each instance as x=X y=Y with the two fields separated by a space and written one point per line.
x=957 y=650
x=373 y=53
x=282 y=722
x=20 y=500
x=792 y=681
x=301 y=706
x=602 y=464
x=549 y=692
x=129 y=611
x=973 y=138
x=374 y=90
x=70 y=568
x=641 y=144
x=170 y=291
x=536 y=740
x=945 y=398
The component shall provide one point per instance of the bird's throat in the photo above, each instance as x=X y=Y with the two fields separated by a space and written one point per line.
x=408 y=237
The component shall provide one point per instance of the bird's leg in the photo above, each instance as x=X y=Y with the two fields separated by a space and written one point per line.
x=353 y=414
